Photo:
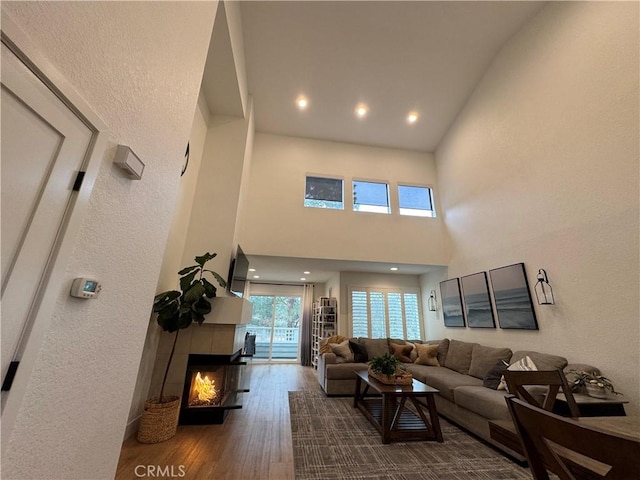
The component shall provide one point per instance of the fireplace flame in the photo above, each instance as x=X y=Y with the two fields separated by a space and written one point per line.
x=205 y=388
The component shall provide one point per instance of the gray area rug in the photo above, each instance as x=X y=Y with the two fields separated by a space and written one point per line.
x=333 y=440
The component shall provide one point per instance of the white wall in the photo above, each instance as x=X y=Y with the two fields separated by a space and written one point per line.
x=214 y=213
x=541 y=167
x=139 y=66
x=275 y=222
x=171 y=263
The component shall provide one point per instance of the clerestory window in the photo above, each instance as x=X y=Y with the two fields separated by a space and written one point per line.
x=323 y=192
x=370 y=197
x=416 y=201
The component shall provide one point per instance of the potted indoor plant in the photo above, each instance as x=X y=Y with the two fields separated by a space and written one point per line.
x=177 y=310
x=596 y=385
x=386 y=369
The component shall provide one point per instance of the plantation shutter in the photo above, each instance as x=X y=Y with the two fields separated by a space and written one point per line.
x=396 y=329
x=359 y=314
x=412 y=315
x=378 y=317
x=382 y=312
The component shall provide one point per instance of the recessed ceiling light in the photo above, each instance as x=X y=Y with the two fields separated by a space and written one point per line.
x=302 y=102
x=394 y=269
x=362 y=110
x=252 y=269
x=412 y=117
x=256 y=276
x=303 y=279
x=307 y=273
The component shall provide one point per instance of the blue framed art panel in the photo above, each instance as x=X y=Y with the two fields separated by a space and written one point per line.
x=452 y=310
x=477 y=302
x=513 y=298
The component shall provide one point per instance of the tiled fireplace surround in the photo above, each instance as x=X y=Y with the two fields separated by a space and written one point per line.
x=222 y=333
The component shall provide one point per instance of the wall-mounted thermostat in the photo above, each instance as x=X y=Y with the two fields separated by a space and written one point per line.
x=85 y=288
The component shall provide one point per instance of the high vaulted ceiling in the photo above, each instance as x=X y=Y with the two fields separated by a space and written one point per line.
x=395 y=57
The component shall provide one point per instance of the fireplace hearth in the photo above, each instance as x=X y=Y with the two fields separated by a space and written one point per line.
x=214 y=385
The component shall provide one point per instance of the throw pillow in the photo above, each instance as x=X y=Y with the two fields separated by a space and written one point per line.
x=427 y=355
x=523 y=365
x=459 y=356
x=483 y=358
x=494 y=375
x=324 y=344
x=359 y=352
x=401 y=352
x=342 y=351
x=414 y=353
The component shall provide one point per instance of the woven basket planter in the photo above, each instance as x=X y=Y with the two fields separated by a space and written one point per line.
x=159 y=421
x=398 y=378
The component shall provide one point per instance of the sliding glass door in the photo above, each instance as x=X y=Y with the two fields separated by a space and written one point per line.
x=276 y=324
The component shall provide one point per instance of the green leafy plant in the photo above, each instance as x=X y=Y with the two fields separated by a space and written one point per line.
x=582 y=379
x=386 y=364
x=179 y=309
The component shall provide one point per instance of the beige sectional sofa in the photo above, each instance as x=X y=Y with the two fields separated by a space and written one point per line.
x=463 y=398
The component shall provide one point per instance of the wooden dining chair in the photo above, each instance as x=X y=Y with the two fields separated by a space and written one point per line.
x=554 y=379
x=570 y=450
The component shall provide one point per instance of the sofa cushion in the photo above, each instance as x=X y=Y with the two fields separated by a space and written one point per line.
x=484 y=358
x=342 y=351
x=485 y=402
x=401 y=352
x=443 y=349
x=543 y=361
x=375 y=346
x=444 y=379
x=324 y=343
x=459 y=356
x=359 y=351
x=427 y=355
x=344 y=371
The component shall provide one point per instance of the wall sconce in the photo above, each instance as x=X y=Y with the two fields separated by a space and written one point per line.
x=544 y=292
x=432 y=303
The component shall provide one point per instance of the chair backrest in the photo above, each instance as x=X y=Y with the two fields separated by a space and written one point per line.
x=574 y=447
x=554 y=379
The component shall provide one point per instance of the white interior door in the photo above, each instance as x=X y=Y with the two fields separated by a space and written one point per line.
x=44 y=145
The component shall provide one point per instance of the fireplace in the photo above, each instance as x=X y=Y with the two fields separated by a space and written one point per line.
x=213 y=385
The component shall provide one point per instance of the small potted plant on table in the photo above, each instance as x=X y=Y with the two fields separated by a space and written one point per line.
x=596 y=386
x=386 y=369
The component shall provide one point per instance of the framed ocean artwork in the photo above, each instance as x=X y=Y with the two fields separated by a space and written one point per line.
x=452 y=303
x=513 y=298
x=477 y=302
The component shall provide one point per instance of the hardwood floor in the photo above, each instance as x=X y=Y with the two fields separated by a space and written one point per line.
x=253 y=443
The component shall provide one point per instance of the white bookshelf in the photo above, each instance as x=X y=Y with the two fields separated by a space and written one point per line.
x=325 y=324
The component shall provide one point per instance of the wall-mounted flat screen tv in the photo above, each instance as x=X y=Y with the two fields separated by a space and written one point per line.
x=238 y=273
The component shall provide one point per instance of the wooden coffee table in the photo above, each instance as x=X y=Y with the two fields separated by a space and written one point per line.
x=389 y=414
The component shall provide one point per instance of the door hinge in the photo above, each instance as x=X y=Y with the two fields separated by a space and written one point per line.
x=11 y=374
x=78 y=182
